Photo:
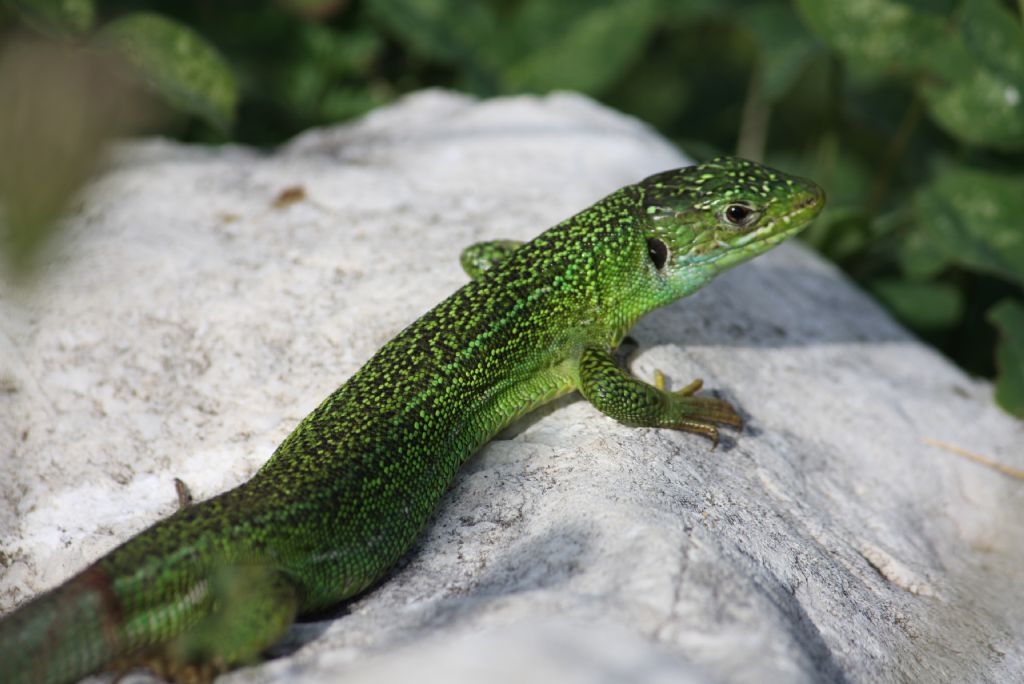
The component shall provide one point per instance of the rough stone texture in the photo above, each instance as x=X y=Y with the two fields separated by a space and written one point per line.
x=193 y=315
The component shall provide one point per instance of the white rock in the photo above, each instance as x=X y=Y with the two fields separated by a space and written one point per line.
x=187 y=323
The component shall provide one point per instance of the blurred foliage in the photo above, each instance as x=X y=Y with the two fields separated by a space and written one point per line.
x=65 y=98
x=61 y=107
x=179 y=64
x=1008 y=316
x=56 y=18
x=909 y=112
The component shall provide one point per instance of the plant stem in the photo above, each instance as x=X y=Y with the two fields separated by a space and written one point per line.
x=897 y=147
x=757 y=115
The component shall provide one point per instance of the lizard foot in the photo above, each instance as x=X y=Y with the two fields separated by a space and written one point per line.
x=700 y=415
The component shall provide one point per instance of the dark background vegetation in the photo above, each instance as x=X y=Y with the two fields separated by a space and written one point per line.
x=909 y=112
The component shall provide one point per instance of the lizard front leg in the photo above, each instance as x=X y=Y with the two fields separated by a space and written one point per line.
x=482 y=256
x=628 y=400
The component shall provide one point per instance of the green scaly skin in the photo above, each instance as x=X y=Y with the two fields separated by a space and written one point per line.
x=346 y=493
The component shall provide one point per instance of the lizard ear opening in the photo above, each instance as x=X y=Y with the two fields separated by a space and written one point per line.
x=658 y=251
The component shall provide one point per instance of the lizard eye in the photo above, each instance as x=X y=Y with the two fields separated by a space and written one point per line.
x=740 y=214
x=658 y=251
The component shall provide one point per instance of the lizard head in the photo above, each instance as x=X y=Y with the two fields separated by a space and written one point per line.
x=702 y=219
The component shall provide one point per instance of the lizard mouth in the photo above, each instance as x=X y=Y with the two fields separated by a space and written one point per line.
x=773 y=232
x=790 y=223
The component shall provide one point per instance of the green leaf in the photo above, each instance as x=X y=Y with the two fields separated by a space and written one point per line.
x=969 y=73
x=582 y=46
x=452 y=31
x=977 y=93
x=178 y=63
x=975 y=217
x=342 y=54
x=1008 y=317
x=923 y=306
x=921 y=258
x=60 y=18
x=981 y=109
x=784 y=46
x=653 y=91
x=340 y=103
x=878 y=35
x=840 y=232
x=993 y=34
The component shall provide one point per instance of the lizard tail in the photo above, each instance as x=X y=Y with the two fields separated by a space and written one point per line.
x=62 y=635
x=180 y=611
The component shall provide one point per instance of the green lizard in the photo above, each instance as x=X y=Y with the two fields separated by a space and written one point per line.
x=347 y=492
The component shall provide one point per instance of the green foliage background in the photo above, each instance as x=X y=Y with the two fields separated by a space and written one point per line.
x=909 y=112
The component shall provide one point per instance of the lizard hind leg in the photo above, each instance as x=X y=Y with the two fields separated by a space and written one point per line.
x=251 y=606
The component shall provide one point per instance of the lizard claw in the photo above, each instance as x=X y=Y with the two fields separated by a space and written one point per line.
x=661 y=383
x=699 y=414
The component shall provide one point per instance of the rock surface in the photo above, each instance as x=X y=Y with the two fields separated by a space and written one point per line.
x=206 y=299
